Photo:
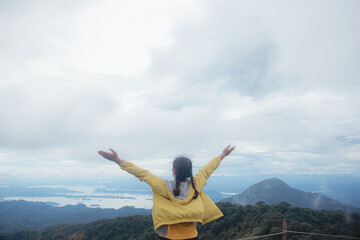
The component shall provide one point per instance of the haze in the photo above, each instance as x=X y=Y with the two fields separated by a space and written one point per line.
x=277 y=79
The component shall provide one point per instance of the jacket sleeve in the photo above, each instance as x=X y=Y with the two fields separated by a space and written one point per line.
x=155 y=182
x=204 y=173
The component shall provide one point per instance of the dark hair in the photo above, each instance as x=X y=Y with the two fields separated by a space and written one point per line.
x=183 y=170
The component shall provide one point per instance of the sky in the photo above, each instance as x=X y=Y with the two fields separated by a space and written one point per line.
x=280 y=80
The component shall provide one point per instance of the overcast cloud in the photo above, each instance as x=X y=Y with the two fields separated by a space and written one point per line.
x=277 y=79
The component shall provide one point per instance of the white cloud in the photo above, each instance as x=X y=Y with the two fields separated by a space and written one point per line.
x=152 y=80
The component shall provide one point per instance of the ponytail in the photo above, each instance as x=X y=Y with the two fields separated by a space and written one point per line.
x=183 y=170
x=193 y=185
x=176 y=190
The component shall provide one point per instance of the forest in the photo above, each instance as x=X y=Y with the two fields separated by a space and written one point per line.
x=238 y=222
x=24 y=215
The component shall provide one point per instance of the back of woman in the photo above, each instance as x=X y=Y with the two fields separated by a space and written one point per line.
x=177 y=204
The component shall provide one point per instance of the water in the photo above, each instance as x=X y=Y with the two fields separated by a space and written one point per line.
x=102 y=196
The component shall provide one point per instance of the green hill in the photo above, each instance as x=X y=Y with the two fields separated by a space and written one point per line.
x=274 y=191
x=24 y=215
x=238 y=221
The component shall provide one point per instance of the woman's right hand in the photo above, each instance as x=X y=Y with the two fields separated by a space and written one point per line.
x=226 y=151
x=111 y=156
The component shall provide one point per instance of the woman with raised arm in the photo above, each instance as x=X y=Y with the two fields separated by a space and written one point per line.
x=177 y=204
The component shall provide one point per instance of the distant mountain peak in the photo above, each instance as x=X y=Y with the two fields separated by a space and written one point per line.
x=274 y=191
x=266 y=185
x=273 y=180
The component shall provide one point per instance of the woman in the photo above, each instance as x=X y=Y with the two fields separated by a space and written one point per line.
x=177 y=204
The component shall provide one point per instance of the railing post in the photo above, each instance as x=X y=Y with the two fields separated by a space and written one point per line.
x=284 y=230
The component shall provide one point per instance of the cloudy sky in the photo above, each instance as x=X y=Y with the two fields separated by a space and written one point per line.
x=279 y=80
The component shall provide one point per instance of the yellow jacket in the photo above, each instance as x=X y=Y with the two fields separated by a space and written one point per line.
x=169 y=210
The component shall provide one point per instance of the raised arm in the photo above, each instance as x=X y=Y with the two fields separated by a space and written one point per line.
x=204 y=173
x=154 y=181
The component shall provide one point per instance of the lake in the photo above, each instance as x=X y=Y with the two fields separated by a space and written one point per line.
x=91 y=196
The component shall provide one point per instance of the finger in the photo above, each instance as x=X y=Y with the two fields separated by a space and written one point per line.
x=104 y=155
x=228 y=150
x=113 y=152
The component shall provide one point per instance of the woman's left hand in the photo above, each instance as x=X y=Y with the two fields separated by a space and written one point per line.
x=226 y=151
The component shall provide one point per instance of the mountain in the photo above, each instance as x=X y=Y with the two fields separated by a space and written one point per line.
x=238 y=222
x=24 y=215
x=274 y=191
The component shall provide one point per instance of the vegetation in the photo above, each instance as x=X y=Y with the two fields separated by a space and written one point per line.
x=23 y=215
x=274 y=191
x=261 y=219
x=238 y=222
